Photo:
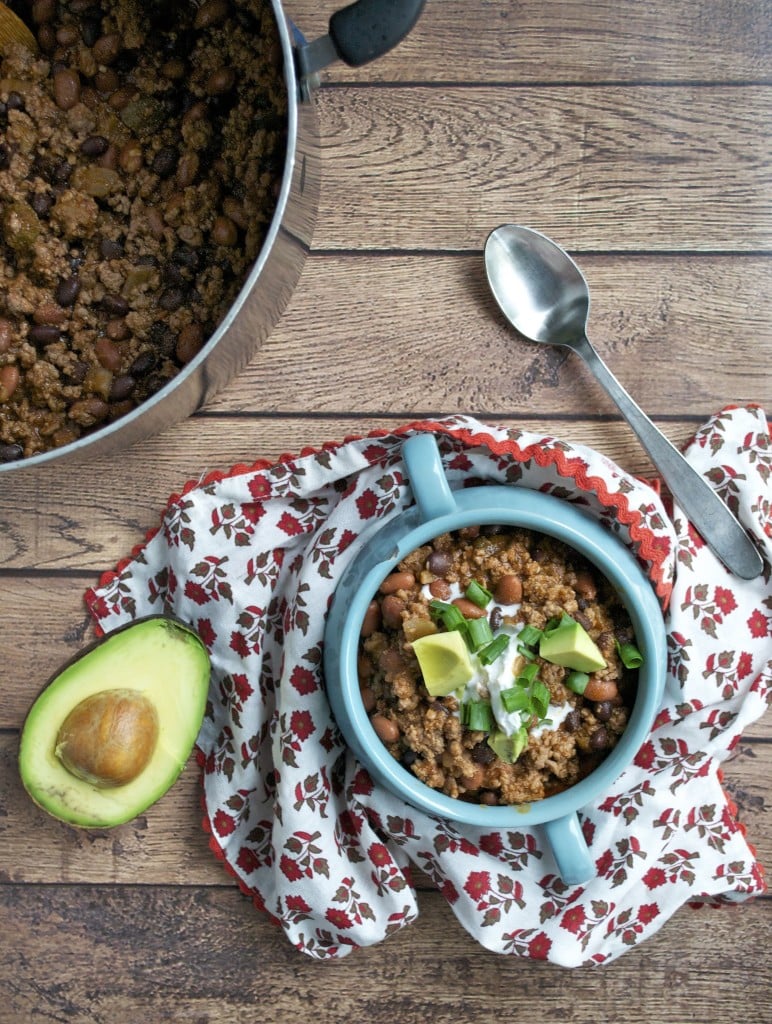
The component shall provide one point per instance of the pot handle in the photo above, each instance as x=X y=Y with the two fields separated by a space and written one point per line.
x=369 y=28
x=359 y=33
x=569 y=849
x=427 y=477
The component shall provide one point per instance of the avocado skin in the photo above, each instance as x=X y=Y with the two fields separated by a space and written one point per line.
x=159 y=655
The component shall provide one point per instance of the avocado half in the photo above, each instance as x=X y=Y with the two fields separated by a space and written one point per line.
x=112 y=730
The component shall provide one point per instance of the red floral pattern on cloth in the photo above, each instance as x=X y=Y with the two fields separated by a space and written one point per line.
x=250 y=558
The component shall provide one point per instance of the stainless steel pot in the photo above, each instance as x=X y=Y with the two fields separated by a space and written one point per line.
x=357 y=34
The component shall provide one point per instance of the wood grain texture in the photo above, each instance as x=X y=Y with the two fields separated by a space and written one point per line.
x=637 y=135
x=598 y=167
x=567 y=41
x=100 y=954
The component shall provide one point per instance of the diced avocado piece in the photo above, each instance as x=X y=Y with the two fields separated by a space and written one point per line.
x=569 y=644
x=112 y=730
x=508 y=748
x=444 y=661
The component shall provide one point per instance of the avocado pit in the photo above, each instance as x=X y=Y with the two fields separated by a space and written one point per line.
x=108 y=738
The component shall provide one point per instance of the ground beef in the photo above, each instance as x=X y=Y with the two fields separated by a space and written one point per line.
x=533 y=579
x=141 y=152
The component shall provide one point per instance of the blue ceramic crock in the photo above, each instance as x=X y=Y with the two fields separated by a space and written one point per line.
x=437 y=510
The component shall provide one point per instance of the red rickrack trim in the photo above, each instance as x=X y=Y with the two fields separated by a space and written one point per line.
x=569 y=468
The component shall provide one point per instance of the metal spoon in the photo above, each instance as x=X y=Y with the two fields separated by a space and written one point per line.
x=543 y=294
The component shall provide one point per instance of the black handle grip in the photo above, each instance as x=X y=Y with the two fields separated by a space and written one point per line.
x=369 y=28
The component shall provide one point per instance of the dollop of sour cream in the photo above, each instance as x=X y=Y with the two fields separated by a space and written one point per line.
x=489 y=681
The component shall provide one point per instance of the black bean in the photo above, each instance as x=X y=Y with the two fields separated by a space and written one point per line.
x=126 y=60
x=114 y=304
x=5 y=158
x=90 y=30
x=409 y=757
x=10 y=452
x=94 y=145
x=172 y=274
x=602 y=710
x=496 y=618
x=78 y=372
x=43 y=334
x=61 y=172
x=41 y=203
x=110 y=249
x=165 y=161
x=67 y=291
x=482 y=753
x=573 y=720
x=186 y=257
x=15 y=101
x=143 y=364
x=147 y=259
x=599 y=739
x=439 y=562
x=171 y=299
x=121 y=388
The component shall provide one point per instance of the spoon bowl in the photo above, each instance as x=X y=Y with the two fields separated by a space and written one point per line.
x=545 y=297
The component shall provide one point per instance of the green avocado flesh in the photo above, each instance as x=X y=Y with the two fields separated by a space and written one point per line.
x=570 y=645
x=164 y=664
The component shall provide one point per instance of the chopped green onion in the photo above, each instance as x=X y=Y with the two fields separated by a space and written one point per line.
x=478 y=595
x=540 y=696
x=516 y=698
x=494 y=649
x=528 y=674
x=529 y=636
x=449 y=614
x=577 y=681
x=477 y=716
x=630 y=655
x=479 y=633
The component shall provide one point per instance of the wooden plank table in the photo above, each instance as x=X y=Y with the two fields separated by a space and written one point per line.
x=637 y=135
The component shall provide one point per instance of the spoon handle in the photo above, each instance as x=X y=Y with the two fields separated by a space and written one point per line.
x=718 y=526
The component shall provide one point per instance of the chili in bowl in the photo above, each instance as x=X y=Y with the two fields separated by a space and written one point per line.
x=495 y=657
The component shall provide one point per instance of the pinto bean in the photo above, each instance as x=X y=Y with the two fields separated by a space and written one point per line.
x=440 y=589
x=599 y=689
x=368 y=698
x=9 y=381
x=468 y=608
x=509 y=589
x=397 y=581
x=372 y=619
x=386 y=730
x=585 y=586
x=391 y=609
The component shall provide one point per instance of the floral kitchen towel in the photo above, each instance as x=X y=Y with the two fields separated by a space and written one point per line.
x=251 y=558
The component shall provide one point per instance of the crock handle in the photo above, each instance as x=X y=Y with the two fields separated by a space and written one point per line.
x=427 y=477
x=369 y=28
x=569 y=849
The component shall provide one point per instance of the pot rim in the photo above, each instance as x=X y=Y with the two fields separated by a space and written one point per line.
x=98 y=437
